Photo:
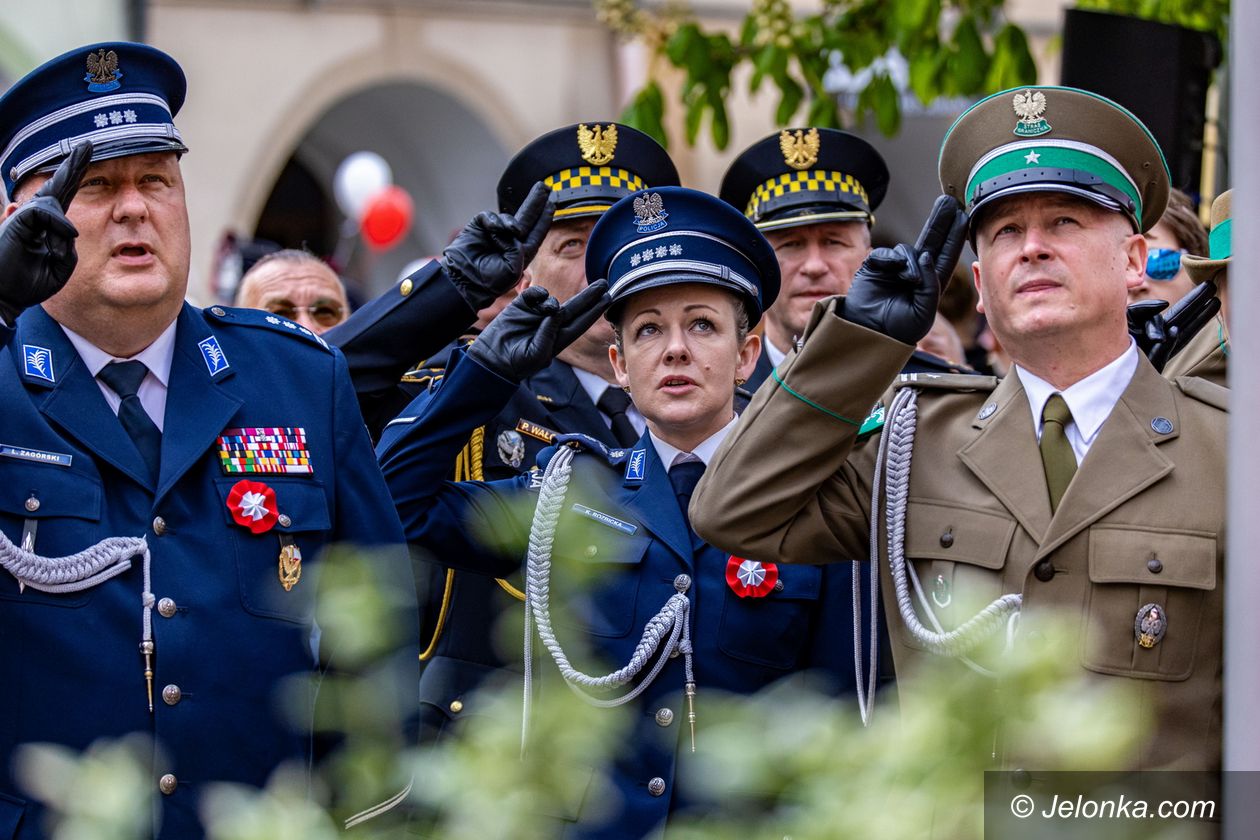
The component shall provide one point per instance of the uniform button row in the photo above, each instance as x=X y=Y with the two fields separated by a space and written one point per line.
x=171 y=695
x=664 y=717
x=159 y=525
x=656 y=786
x=166 y=607
x=168 y=783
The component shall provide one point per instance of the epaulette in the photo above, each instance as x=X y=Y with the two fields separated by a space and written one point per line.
x=586 y=443
x=423 y=375
x=1204 y=391
x=261 y=318
x=947 y=381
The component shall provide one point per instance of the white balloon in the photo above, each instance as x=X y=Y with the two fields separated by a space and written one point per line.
x=359 y=177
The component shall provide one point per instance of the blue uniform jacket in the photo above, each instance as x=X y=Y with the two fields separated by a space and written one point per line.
x=226 y=631
x=741 y=644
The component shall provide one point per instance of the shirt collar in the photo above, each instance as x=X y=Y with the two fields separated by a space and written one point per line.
x=592 y=383
x=1091 y=399
x=157 y=356
x=704 y=451
x=773 y=354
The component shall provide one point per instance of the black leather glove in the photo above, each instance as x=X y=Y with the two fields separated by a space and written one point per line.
x=492 y=250
x=37 y=253
x=534 y=328
x=1159 y=334
x=896 y=289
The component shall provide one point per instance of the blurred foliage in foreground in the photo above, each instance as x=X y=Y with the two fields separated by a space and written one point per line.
x=789 y=762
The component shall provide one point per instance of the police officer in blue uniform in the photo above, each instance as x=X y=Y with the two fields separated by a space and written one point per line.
x=687 y=277
x=586 y=168
x=169 y=476
x=813 y=192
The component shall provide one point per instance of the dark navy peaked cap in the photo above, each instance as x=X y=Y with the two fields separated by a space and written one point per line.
x=678 y=235
x=121 y=96
x=588 y=167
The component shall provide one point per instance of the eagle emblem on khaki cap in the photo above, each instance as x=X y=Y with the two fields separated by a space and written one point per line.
x=800 y=150
x=1029 y=106
x=598 y=144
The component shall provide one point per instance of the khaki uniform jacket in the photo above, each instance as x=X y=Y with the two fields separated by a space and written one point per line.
x=979 y=515
x=1204 y=356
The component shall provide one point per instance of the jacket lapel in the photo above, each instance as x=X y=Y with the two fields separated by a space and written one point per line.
x=1123 y=460
x=67 y=394
x=561 y=394
x=1005 y=457
x=655 y=505
x=198 y=407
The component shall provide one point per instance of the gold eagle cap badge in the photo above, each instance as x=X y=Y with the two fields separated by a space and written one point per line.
x=102 y=71
x=598 y=144
x=1029 y=107
x=800 y=149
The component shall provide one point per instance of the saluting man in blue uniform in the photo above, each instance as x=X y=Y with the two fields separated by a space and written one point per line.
x=677 y=619
x=168 y=476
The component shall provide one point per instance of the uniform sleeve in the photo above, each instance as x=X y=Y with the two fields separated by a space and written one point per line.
x=476 y=526
x=786 y=484
x=393 y=333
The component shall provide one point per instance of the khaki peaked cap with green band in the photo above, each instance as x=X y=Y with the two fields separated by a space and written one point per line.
x=589 y=168
x=1220 y=242
x=805 y=176
x=1055 y=139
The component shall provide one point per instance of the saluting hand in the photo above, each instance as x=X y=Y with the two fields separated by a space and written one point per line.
x=896 y=289
x=491 y=252
x=534 y=328
x=37 y=253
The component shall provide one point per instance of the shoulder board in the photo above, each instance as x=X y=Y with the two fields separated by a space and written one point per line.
x=264 y=320
x=1204 y=391
x=423 y=375
x=947 y=381
x=586 y=443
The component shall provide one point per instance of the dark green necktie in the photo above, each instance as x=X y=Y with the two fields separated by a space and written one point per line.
x=1057 y=457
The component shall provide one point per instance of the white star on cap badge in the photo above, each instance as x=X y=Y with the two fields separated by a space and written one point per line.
x=1032 y=157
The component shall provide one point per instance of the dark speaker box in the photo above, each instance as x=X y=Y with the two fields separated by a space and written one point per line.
x=1158 y=71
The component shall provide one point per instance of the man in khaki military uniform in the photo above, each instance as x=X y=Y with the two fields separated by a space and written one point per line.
x=1083 y=484
x=1207 y=353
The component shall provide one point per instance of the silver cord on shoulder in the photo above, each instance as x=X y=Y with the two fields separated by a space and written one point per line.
x=892 y=468
x=670 y=625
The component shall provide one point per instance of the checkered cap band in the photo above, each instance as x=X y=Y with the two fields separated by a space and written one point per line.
x=826 y=182
x=594 y=176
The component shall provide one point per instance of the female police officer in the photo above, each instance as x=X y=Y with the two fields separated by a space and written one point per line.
x=675 y=617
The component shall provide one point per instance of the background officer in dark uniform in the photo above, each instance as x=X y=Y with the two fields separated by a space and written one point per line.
x=586 y=168
x=813 y=192
x=209 y=455
x=681 y=317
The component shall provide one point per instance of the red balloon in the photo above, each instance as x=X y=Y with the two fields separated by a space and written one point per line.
x=387 y=217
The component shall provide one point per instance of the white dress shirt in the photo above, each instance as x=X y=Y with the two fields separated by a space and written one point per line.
x=1090 y=400
x=671 y=455
x=773 y=354
x=595 y=386
x=157 y=358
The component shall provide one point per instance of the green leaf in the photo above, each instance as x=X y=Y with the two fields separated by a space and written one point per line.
x=695 y=112
x=823 y=113
x=720 y=127
x=924 y=76
x=969 y=63
x=680 y=43
x=1013 y=63
x=646 y=113
x=886 y=105
x=793 y=95
x=761 y=67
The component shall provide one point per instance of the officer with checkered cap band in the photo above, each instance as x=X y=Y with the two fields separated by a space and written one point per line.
x=1083 y=484
x=171 y=475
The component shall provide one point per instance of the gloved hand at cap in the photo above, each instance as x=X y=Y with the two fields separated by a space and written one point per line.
x=37 y=253
x=491 y=252
x=896 y=289
x=534 y=328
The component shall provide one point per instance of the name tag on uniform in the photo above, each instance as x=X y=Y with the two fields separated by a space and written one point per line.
x=605 y=519
x=57 y=458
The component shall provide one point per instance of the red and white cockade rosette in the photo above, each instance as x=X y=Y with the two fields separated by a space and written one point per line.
x=253 y=505
x=751 y=578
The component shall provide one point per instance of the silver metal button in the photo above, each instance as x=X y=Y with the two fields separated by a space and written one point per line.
x=166 y=607
x=32 y=504
x=159 y=525
x=664 y=717
x=656 y=786
x=171 y=695
x=591 y=550
x=682 y=583
x=217 y=311
x=283 y=520
x=168 y=783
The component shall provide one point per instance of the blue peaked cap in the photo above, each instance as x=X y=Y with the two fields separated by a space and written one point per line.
x=657 y=237
x=121 y=96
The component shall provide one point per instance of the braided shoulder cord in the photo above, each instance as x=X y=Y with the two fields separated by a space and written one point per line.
x=893 y=462
x=671 y=624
